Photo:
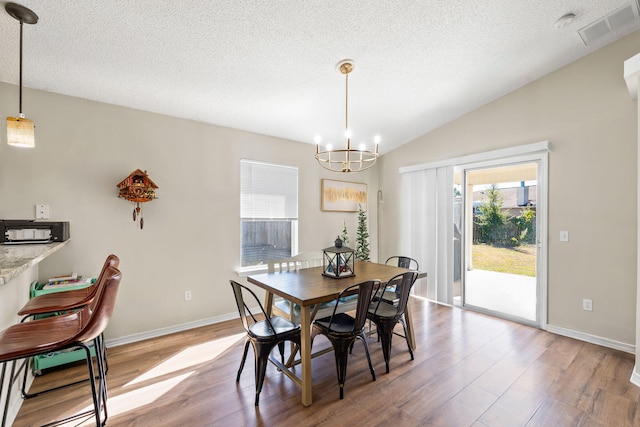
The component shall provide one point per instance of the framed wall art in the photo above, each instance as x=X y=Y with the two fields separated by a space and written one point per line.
x=343 y=196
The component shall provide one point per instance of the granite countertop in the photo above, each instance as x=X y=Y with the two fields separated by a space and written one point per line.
x=15 y=259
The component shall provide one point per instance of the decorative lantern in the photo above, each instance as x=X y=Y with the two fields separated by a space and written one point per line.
x=338 y=261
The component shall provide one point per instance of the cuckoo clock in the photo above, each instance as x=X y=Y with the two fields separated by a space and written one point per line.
x=137 y=188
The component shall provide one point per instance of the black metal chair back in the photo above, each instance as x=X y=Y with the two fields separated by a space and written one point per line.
x=245 y=313
x=391 y=301
x=365 y=292
x=404 y=262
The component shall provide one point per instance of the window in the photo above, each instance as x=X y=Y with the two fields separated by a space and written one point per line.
x=268 y=212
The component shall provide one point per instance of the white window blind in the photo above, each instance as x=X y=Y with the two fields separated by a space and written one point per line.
x=268 y=211
x=268 y=191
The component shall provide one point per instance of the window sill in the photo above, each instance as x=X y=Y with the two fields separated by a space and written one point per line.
x=247 y=271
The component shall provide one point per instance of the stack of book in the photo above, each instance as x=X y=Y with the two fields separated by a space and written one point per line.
x=72 y=279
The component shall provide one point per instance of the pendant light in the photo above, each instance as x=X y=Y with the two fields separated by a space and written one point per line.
x=20 y=130
x=348 y=159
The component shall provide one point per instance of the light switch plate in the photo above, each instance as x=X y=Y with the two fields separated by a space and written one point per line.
x=42 y=211
x=564 y=236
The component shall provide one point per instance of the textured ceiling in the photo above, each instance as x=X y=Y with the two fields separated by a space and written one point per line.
x=268 y=66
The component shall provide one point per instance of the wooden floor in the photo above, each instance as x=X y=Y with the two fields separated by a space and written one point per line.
x=469 y=370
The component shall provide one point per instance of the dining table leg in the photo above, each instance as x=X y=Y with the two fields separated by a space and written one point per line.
x=305 y=354
x=268 y=303
x=409 y=321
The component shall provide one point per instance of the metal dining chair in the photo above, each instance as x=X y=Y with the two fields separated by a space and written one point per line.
x=342 y=329
x=263 y=335
x=387 y=310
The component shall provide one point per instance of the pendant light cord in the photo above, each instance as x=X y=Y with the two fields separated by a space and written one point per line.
x=346 y=112
x=21 y=68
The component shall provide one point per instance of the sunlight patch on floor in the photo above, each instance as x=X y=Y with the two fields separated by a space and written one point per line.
x=190 y=356
x=137 y=398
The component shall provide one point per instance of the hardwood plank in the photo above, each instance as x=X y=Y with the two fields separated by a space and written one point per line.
x=556 y=413
x=518 y=404
x=612 y=377
x=607 y=406
x=463 y=409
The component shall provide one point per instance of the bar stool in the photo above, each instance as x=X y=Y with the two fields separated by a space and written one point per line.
x=63 y=302
x=41 y=336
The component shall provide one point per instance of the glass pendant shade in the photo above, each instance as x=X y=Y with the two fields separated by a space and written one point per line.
x=20 y=132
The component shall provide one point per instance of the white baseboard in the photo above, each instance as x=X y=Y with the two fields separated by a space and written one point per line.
x=593 y=339
x=635 y=376
x=169 y=330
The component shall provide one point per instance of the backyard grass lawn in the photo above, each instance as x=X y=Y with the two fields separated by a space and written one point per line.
x=518 y=260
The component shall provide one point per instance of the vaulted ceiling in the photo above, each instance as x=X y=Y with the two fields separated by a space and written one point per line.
x=269 y=66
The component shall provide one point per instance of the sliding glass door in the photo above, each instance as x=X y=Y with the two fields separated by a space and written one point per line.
x=500 y=245
x=477 y=225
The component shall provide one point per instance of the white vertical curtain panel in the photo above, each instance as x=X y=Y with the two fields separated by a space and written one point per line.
x=427 y=228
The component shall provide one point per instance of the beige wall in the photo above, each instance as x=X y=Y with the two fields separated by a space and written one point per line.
x=584 y=110
x=191 y=235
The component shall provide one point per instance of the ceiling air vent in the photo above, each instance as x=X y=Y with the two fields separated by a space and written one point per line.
x=610 y=23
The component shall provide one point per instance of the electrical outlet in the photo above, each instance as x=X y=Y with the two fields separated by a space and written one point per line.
x=587 y=304
x=564 y=236
x=187 y=295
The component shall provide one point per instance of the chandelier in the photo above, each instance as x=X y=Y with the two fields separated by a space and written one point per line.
x=348 y=159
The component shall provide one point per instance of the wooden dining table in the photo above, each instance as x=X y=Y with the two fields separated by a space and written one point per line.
x=308 y=287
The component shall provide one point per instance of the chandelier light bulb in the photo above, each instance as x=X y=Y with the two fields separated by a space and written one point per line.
x=329 y=147
x=376 y=139
x=317 y=139
x=347 y=133
x=362 y=147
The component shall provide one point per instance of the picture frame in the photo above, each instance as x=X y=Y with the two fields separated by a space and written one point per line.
x=343 y=196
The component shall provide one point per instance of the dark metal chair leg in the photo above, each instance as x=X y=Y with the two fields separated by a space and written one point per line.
x=6 y=403
x=262 y=352
x=281 y=348
x=103 y=393
x=244 y=358
x=366 y=350
x=92 y=381
x=341 y=352
x=385 y=332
